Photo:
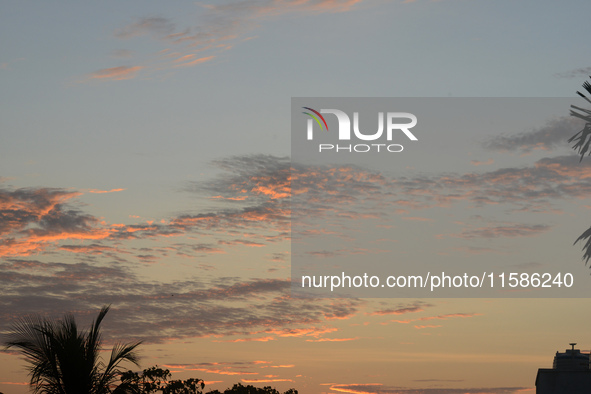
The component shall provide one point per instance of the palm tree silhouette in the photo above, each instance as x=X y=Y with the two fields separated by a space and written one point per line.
x=64 y=360
x=583 y=144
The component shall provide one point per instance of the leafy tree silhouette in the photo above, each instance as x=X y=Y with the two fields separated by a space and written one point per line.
x=582 y=143
x=240 y=389
x=64 y=360
x=155 y=379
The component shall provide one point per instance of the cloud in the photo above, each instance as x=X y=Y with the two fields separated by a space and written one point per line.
x=99 y=261
x=275 y=8
x=265 y=380
x=438 y=317
x=38 y=220
x=195 y=62
x=96 y=191
x=149 y=25
x=116 y=73
x=300 y=332
x=513 y=231
x=421 y=327
x=122 y=53
x=582 y=72
x=217 y=28
x=332 y=339
x=262 y=339
x=450 y=315
x=33 y=219
x=241 y=242
x=553 y=135
x=90 y=249
x=159 y=311
x=438 y=380
x=377 y=388
x=255 y=208
x=401 y=310
x=482 y=163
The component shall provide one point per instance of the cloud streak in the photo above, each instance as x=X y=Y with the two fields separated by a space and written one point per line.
x=116 y=73
x=553 y=135
x=217 y=28
x=376 y=388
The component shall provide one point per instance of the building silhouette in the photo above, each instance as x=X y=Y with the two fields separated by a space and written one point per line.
x=570 y=373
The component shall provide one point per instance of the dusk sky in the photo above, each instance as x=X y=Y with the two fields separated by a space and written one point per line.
x=146 y=163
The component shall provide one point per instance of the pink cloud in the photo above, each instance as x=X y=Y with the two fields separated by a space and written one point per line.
x=195 y=62
x=96 y=191
x=116 y=73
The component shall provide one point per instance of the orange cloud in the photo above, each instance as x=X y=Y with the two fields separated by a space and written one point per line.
x=299 y=332
x=209 y=382
x=451 y=315
x=222 y=372
x=427 y=326
x=265 y=380
x=400 y=311
x=419 y=219
x=90 y=249
x=195 y=62
x=482 y=163
x=184 y=58
x=105 y=191
x=332 y=339
x=116 y=73
x=263 y=339
x=355 y=388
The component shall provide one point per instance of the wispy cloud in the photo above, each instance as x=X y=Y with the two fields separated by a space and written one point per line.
x=553 y=135
x=156 y=26
x=482 y=163
x=421 y=327
x=144 y=310
x=332 y=339
x=116 y=73
x=193 y=62
x=266 y=380
x=96 y=191
x=217 y=28
x=496 y=231
x=255 y=192
x=401 y=310
x=377 y=388
x=582 y=72
x=438 y=317
x=36 y=218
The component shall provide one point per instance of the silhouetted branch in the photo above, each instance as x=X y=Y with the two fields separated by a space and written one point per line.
x=583 y=137
x=587 y=247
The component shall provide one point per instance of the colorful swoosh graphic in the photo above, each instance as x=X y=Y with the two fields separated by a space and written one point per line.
x=316 y=118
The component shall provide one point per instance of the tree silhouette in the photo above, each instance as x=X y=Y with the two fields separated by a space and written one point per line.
x=583 y=137
x=240 y=389
x=64 y=360
x=582 y=144
x=155 y=379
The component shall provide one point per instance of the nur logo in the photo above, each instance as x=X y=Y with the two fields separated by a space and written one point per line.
x=344 y=131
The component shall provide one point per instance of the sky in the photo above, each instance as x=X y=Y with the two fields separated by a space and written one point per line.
x=146 y=162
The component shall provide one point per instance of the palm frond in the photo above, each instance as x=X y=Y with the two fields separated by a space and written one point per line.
x=582 y=138
x=62 y=359
x=587 y=247
x=119 y=354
